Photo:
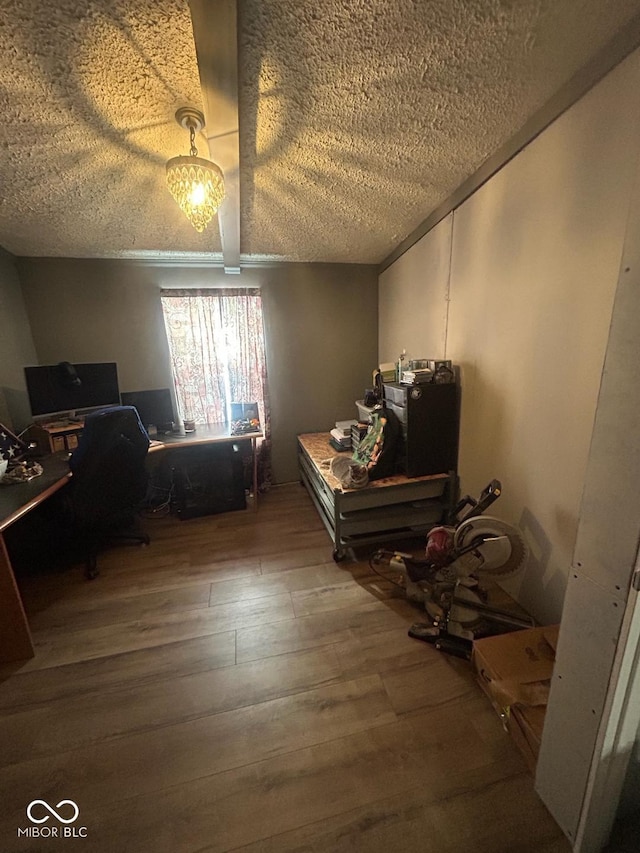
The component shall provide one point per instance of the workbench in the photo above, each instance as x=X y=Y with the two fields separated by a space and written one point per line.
x=389 y=509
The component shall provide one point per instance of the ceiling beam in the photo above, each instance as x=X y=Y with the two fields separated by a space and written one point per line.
x=215 y=34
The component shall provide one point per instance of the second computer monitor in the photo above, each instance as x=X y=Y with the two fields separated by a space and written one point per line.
x=154 y=407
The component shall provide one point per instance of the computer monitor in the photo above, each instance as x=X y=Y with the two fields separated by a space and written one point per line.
x=58 y=388
x=154 y=407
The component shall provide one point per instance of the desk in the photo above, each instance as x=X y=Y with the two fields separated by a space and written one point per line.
x=17 y=499
x=212 y=434
x=388 y=509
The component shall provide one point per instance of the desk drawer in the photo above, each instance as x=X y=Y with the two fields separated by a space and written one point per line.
x=419 y=515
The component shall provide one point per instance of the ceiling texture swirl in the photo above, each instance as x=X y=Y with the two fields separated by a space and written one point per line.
x=340 y=126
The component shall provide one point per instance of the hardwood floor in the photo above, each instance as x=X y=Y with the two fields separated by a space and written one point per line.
x=230 y=687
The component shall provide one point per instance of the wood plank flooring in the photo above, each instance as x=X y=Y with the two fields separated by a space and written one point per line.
x=229 y=687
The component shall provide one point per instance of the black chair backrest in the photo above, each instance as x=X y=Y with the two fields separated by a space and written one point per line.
x=108 y=466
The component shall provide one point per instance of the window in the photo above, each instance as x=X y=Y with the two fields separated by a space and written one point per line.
x=216 y=342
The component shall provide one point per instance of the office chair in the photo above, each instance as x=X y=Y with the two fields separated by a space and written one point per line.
x=109 y=482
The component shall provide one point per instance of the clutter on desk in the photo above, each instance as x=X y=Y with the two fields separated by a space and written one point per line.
x=340 y=435
x=370 y=397
x=338 y=441
x=21 y=472
x=244 y=418
x=364 y=411
x=13 y=468
x=428 y=415
x=358 y=432
x=244 y=426
x=374 y=455
x=351 y=474
x=388 y=372
x=424 y=370
x=241 y=411
x=344 y=427
x=415 y=371
x=416 y=377
x=378 y=449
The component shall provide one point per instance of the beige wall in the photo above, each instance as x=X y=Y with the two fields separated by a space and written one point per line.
x=16 y=347
x=414 y=295
x=320 y=323
x=534 y=264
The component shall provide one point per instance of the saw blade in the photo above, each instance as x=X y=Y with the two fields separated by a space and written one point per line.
x=500 y=546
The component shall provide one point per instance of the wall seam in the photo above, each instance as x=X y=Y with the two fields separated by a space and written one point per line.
x=448 y=289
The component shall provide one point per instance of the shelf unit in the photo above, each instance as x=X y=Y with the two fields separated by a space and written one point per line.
x=390 y=509
x=55 y=436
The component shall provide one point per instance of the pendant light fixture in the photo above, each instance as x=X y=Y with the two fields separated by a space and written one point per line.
x=195 y=183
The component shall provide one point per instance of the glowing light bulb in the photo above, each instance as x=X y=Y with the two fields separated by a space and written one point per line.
x=197 y=195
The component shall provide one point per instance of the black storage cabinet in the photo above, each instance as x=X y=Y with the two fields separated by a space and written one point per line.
x=207 y=480
x=429 y=415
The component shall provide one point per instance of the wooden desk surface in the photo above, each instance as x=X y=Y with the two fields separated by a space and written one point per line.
x=16 y=499
x=203 y=434
x=317 y=446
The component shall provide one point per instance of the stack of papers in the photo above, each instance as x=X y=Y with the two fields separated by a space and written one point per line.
x=340 y=441
x=344 y=427
x=416 y=377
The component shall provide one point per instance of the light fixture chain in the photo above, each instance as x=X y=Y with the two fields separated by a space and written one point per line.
x=192 y=136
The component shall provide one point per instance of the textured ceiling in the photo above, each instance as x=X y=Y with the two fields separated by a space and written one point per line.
x=357 y=118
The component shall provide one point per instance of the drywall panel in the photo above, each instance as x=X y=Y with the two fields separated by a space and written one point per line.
x=607 y=541
x=413 y=295
x=16 y=347
x=586 y=650
x=611 y=795
x=535 y=261
x=574 y=747
x=321 y=324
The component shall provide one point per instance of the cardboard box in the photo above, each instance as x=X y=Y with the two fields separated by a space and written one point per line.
x=515 y=671
x=525 y=727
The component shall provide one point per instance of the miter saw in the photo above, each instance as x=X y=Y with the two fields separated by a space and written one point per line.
x=451 y=581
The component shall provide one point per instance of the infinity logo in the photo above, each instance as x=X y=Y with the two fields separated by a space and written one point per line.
x=52 y=811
